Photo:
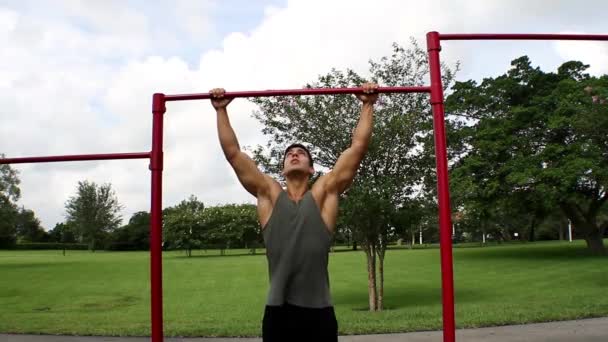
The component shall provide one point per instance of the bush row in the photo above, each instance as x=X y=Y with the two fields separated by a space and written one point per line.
x=49 y=245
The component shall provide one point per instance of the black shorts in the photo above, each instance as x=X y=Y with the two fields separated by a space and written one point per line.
x=288 y=322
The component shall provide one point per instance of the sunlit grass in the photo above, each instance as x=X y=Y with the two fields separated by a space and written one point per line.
x=106 y=293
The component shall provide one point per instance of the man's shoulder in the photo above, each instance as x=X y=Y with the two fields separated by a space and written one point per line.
x=273 y=188
x=325 y=182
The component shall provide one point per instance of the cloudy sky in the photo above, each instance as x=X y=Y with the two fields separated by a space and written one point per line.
x=77 y=76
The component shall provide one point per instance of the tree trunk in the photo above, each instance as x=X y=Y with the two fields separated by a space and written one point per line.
x=560 y=230
x=586 y=221
x=354 y=245
x=532 y=226
x=595 y=243
x=381 y=275
x=371 y=277
x=506 y=234
x=413 y=239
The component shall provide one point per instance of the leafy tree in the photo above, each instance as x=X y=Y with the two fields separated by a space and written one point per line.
x=394 y=167
x=183 y=225
x=94 y=212
x=536 y=136
x=553 y=227
x=232 y=225
x=409 y=218
x=8 y=219
x=247 y=218
x=9 y=195
x=139 y=230
x=133 y=236
x=29 y=228
x=9 y=182
x=62 y=233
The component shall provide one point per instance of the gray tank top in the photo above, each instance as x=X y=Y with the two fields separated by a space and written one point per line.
x=297 y=248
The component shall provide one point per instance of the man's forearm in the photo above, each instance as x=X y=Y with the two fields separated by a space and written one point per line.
x=363 y=131
x=228 y=140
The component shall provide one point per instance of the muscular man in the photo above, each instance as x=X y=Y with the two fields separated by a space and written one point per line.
x=297 y=225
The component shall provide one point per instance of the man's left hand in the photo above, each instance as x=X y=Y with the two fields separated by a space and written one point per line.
x=370 y=93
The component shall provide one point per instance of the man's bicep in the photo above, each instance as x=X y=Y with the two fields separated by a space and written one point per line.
x=343 y=173
x=252 y=179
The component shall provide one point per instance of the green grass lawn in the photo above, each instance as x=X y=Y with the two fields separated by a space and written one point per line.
x=107 y=293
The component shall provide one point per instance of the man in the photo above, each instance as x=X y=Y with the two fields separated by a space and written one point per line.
x=297 y=225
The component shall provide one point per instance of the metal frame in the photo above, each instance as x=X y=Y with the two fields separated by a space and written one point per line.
x=435 y=89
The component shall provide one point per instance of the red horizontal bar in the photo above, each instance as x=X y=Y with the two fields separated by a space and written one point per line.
x=522 y=36
x=293 y=92
x=137 y=155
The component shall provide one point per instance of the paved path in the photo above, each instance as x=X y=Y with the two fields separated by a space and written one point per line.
x=587 y=330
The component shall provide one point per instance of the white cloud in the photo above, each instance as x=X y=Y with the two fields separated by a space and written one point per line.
x=593 y=53
x=192 y=18
x=111 y=16
x=81 y=80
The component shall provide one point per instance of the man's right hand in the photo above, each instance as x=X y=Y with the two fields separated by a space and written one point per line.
x=218 y=101
x=370 y=93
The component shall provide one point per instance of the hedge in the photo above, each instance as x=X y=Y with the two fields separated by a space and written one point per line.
x=50 y=245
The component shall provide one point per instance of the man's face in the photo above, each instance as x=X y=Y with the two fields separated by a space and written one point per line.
x=296 y=160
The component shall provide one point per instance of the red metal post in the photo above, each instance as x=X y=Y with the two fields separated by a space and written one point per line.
x=443 y=191
x=294 y=92
x=156 y=261
x=75 y=157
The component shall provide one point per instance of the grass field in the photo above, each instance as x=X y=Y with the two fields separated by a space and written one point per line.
x=107 y=293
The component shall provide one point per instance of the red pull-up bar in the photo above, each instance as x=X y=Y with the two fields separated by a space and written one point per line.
x=522 y=36
x=295 y=92
x=75 y=157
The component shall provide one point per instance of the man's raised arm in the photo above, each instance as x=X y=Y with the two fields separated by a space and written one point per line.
x=343 y=173
x=252 y=179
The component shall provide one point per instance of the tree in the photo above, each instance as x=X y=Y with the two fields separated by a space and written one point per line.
x=232 y=225
x=539 y=136
x=94 y=212
x=28 y=227
x=9 y=195
x=62 y=233
x=554 y=227
x=249 y=226
x=183 y=225
x=133 y=236
x=139 y=230
x=393 y=168
x=8 y=218
x=408 y=219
